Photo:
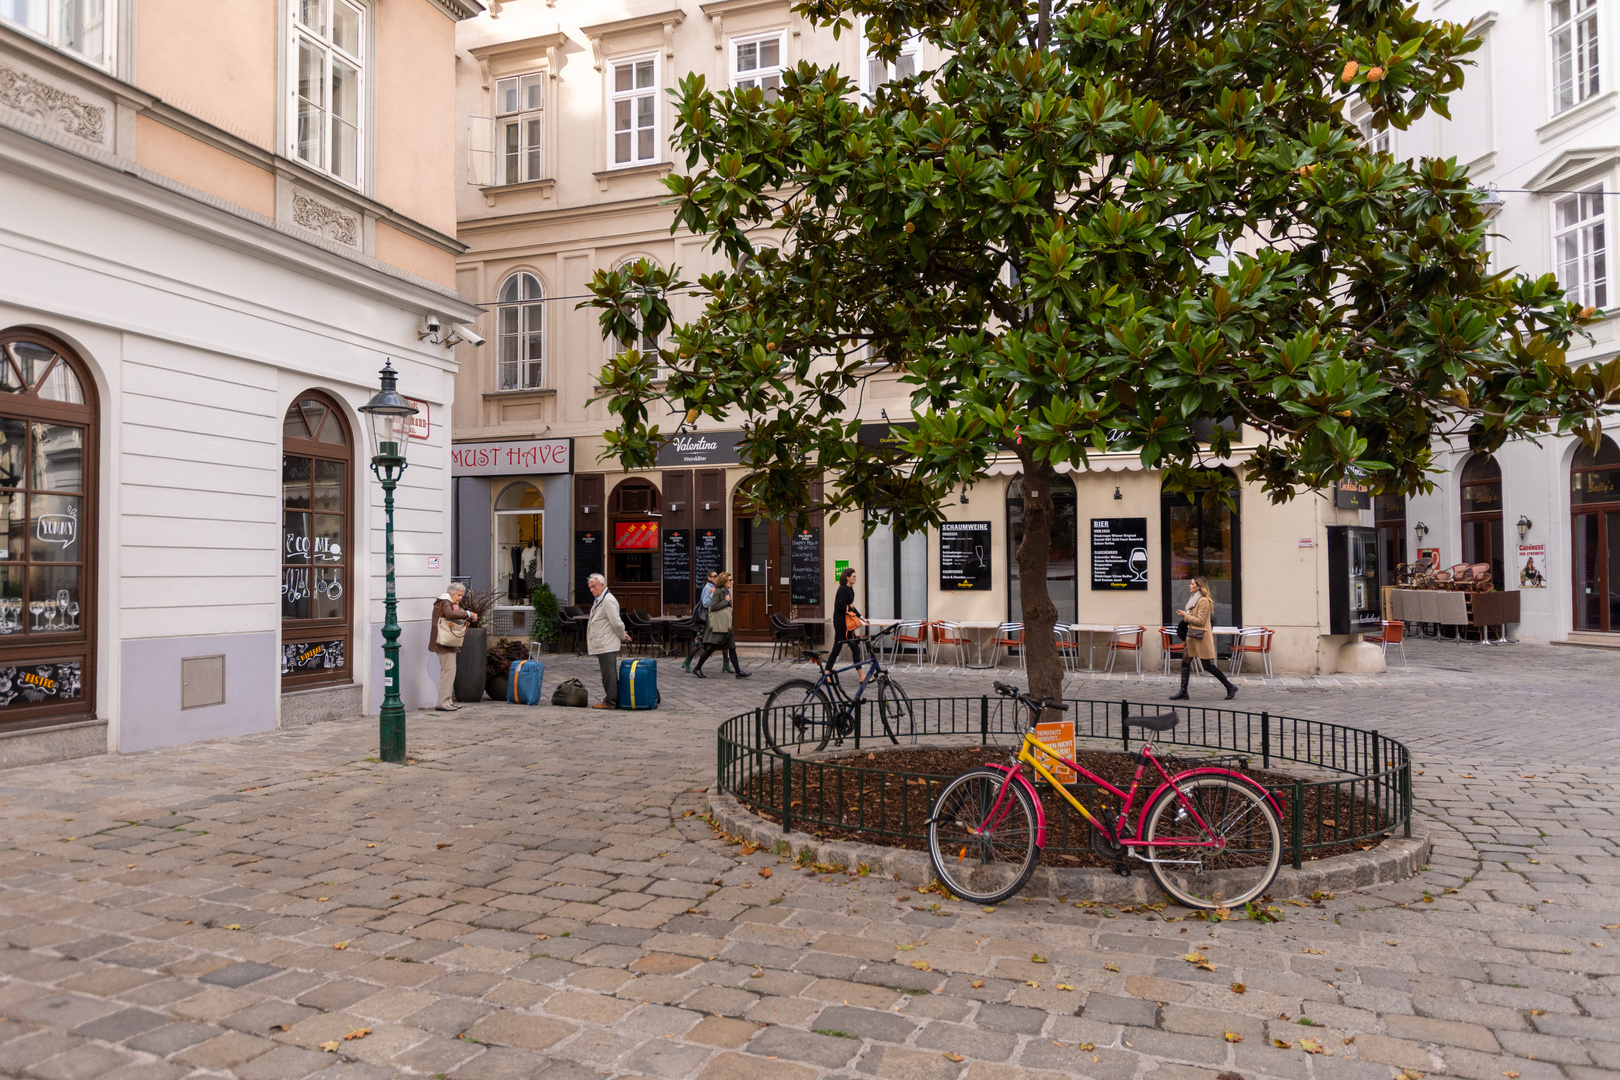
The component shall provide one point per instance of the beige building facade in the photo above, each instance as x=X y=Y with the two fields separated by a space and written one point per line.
x=566 y=131
x=217 y=223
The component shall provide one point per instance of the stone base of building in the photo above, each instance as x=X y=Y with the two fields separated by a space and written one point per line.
x=300 y=708
x=1360 y=658
x=87 y=738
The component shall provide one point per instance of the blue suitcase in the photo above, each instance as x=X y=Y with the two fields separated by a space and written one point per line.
x=638 y=684
x=523 y=682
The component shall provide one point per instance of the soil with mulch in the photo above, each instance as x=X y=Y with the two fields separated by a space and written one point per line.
x=885 y=792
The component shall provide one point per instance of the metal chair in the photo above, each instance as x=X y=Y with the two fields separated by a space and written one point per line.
x=947 y=635
x=909 y=632
x=785 y=635
x=1254 y=640
x=1173 y=648
x=1068 y=646
x=1010 y=635
x=1392 y=633
x=1127 y=639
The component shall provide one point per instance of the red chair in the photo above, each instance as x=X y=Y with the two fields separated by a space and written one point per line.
x=1126 y=639
x=1256 y=641
x=1009 y=636
x=1394 y=633
x=909 y=632
x=1174 y=648
x=1068 y=646
x=947 y=635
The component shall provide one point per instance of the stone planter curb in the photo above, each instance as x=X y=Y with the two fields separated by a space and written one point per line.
x=1396 y=859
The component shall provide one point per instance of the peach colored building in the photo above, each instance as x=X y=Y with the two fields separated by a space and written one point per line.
x=213 y=232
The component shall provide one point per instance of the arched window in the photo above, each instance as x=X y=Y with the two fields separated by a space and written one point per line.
x=1594 y=501
x=1482 y=515
x=47 y=518
x=317 y=536
x=520 y=318
x=519 y=533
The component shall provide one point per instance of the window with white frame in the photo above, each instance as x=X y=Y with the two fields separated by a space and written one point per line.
x=875 y=72
x=1573 y=34
x=327 y=55
x=1581 y=247
x=520 y=128
x=1379 y=142
x=633 y=111
x=81 y=27
x=645 y=343
x=757 y=61
x=520 y=316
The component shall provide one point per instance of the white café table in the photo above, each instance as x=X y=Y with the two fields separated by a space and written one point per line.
x=1091 y=630
x=981 y=629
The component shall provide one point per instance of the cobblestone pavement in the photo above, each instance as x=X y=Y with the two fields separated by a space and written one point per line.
x=530 y=899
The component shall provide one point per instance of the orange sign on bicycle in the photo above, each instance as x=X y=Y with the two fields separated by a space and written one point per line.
x=1060 y=737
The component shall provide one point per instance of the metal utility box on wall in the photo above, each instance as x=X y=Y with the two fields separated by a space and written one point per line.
x=202 y=681
x=1353 y=600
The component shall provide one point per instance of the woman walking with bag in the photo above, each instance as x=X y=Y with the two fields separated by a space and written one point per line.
x=1200 y=614
x=449 y=629
x=719 y=635
x=846 y=620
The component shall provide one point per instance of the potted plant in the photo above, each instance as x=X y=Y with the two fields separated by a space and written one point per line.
x=547 y=626
x=470 y=673
x=498 y=666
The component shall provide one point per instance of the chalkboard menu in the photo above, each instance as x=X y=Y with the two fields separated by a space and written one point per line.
x=805 y=586
x=709 y=554
x=964 y=556
x=587 y=561
x=28 y=683
x=678 y=566
x=311 y=656
x=1119 y=558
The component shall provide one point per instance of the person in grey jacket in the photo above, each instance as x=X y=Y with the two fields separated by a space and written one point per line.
x=604 y=633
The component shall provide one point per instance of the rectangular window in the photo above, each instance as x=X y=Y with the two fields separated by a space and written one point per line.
x=633 y=111
x=874 y=72
x=328 y=71
x=81 y=27
x=1581 y=247
x=521 y=355
x=1573 y=37
x=1373 y=139
x=757 y=62
x=519 y=127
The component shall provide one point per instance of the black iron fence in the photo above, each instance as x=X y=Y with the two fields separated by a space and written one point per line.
x=1369 y=797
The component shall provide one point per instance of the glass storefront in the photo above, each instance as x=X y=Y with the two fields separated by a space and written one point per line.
x=1595 y=509
x=1062 y=562
x=1200 y=541
x=1482 y=516
x=315 y=563
x=519 y=536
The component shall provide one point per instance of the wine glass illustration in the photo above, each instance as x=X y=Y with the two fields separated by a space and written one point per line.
x=73 y=610
x=34 y=609
x=50 y=615
x=1139 y=564
x=9 y=609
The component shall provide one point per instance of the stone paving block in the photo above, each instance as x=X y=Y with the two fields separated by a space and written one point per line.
x=81 y=1063
x=1444 y=1032
x=225 y=1051
x=502 y=1063
x=1110 y=1009
x=722 y=1032
x=147 y=1071
x=1109 y=1064
x=897 y=1063
x=864 y=1023
x=669 y=1059
x=283 y=1063
x=337 y=995
x=787 y=1044
x=849 y=993
x=267 y=1017
x=61 y=1010
x=970 y=1041
x=118 y=1026
x=237 y=976
x=791 y=1011
x=522 y=1032
x=172 y=1037
x=747 y=1067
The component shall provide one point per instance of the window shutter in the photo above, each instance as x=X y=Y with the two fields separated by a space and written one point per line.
x=480 y=150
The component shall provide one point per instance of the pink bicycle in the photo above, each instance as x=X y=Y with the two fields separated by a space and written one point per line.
x=1211 y=836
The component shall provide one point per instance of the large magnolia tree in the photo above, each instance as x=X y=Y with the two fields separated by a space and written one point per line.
x=1094 y=226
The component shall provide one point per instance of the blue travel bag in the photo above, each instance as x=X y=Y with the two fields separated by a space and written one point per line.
x=523 y=682
x=638 y=684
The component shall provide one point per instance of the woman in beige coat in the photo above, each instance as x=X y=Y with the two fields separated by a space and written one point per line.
x=1200 y=616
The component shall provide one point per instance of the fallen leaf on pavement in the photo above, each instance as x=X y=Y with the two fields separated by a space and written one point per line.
x=1064 y=986
x=234 y=926
x=1111 y=967
x=1279 y=1044
x=357 y=1033
x=1511 y=1075
x=340 y=945
x=905 y=948
x=1036 y=958
x=954 y=1057
x=1239 y=988
x=922 y=965
x=129 y=866
x=1032 y=983
x=1611 y=926
x=331 y=1047
x=1086 y=1046
x=764 y=871
x=1233 y=1037
x=323 y=899
x=1318 y=952
x=1347 y=1041
x=371 y=845
x=443 y=845
x=1228 y=1076
x=1392 y=943
x=1408 y=1074
x=1311 y=1046
x=977 y=983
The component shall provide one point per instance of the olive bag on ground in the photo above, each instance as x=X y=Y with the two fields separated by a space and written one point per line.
x=572 y=693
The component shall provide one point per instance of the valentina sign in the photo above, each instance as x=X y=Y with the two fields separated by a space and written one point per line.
x=700 y=448
x=515 y=457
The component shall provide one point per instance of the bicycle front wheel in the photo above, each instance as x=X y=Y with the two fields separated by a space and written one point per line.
x=894 y=708
x=797 y=713
x=983 y=852
x=1240 y=824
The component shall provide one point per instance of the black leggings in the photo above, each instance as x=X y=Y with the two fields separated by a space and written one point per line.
x=854 y=650
x=1209 y=666
x=727 y=652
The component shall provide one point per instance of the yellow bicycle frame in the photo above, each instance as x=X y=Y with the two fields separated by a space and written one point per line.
x=1025 y=757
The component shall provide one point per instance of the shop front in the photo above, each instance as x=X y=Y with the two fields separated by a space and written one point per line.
x=512 y=500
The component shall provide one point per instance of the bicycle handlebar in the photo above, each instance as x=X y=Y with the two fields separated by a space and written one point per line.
x=1035 y=704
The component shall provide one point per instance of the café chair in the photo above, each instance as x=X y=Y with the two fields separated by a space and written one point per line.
x=1391 y=633
x=1254 y=640
x=786 y=636
x=1068 y=646
x=1126 y=639
x=1174 y=648
x=909 y=632
x=1010 y=635
x=948 y=635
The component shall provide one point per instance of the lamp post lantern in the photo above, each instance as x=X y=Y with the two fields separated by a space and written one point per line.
x=388 y=417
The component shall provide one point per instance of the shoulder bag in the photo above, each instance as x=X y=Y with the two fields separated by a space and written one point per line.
x=852 y=622
x=451 y=634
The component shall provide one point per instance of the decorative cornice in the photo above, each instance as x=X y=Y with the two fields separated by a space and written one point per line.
x=1573 y=166
x=460 y=9
x=323 y=218
x=52 y=105
x=529 y=46
x=719 y=9
x=668 y=20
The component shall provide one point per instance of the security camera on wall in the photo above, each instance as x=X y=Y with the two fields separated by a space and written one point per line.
x=470 y=336
x=432 y=325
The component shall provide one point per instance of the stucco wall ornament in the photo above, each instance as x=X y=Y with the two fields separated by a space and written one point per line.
x=41 y=100
x=329 y=221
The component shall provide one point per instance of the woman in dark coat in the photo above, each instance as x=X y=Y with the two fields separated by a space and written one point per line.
x=843 y=605
x=1200 y=615
x=720 y=636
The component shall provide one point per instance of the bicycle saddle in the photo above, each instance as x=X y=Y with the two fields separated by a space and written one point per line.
x=808 y=655
x=1162 y=722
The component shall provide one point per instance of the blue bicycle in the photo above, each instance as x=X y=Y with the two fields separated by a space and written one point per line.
x=799 y=711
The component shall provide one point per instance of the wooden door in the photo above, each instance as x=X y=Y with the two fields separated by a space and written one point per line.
x=760 y=586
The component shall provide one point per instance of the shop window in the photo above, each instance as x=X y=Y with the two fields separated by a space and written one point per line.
x=1482 y=515
x=1594 y=486
x=47 y=512
x=896 y=577
x=519 y=534
x=634 y=540
x=1062 y=563
x=1389 y=517
x=317 y=533
x=1200 y=541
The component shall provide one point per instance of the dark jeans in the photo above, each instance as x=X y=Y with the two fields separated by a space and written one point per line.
x=610 y=677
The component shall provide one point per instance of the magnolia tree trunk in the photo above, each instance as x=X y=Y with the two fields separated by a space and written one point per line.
x=1039 y=613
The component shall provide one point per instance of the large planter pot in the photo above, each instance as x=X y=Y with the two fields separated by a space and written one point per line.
x=470 y=670
x=495 y=687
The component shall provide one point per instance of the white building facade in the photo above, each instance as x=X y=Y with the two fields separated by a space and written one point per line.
x=1538 y=122
x=205 y=259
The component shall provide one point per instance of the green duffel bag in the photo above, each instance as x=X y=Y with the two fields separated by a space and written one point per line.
x=571 y=692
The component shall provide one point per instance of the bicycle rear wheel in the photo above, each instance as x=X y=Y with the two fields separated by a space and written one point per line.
x=978 y=858
x=894 y=709
x=797 y=713
x=1239 y=815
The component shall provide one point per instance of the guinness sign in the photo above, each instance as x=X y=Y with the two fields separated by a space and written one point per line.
x=699 y=448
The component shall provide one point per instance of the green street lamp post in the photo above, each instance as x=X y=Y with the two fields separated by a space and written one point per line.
x=389 y=417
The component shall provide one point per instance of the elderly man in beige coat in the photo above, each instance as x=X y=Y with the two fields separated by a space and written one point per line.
x=604 y=633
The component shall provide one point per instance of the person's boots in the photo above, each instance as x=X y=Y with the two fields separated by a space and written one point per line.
x=736 y=667
x=698 y=670
x=686 y=665
x=1186 y=673
x=1231 y=691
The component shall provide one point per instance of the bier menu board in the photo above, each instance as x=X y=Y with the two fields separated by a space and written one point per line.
x=708 y=554
x=1119 y=558
x=964 y=556
x=587 y=561
x=805 y=567
x=678 y=566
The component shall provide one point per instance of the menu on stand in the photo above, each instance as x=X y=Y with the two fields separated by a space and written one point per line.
x=708 y=554
x=1119 y=558
x=964 y=556
x=678 y=566
x=587 y=561
x=805 y=564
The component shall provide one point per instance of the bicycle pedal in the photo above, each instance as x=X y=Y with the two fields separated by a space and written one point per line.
x=1122 y=870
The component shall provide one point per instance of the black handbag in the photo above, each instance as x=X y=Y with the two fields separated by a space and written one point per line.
x=1181 y=630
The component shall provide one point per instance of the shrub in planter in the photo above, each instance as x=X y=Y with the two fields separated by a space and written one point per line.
x=498 y=665
x=547 y=626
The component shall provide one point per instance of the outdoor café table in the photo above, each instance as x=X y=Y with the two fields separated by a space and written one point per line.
x=1092 y=630
x=811 y=625
x=981 y=630
x=662 y=628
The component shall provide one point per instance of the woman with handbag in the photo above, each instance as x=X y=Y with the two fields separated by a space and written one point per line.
x=449 y=630
x=846 y=620
x=719 y=635
x=1200 y=615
